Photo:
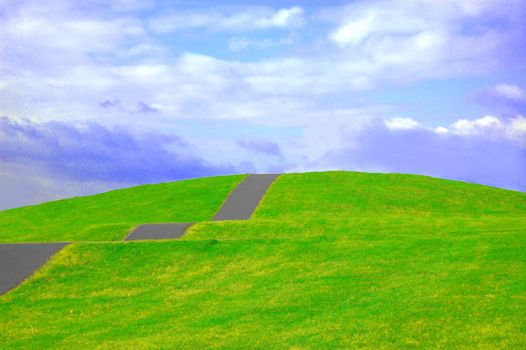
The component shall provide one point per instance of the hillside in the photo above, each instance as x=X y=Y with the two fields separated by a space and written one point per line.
x=110 y=216
x=328 y=260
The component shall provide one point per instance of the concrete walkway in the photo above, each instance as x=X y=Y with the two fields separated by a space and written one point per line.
x=239 y=205
x=19 y=261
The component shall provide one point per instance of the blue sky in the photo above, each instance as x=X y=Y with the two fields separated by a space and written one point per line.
x=97 y=95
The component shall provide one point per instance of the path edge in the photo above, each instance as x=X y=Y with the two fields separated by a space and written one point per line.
x=38 y=268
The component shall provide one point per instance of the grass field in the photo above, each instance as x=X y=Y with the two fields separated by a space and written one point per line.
x=329 y=260
x=110 y=216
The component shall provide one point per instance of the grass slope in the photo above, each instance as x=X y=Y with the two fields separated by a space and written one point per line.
x=330 y=260
x=336 y=203
x=110 y=216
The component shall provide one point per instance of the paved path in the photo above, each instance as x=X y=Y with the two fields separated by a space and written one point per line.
x=239 y=205
x=245 y=198
x=158 y=231
x=19 y=261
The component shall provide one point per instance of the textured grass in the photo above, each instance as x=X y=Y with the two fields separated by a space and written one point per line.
x=347 y=195
x=330 y=260
x=394 y=226
x=110 y=215
x=364 y=292
x=339 y=203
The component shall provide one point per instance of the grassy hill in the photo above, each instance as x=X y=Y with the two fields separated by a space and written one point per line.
x=111 y=215
x=329 y=260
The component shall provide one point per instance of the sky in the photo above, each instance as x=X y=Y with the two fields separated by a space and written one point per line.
x=98 y=95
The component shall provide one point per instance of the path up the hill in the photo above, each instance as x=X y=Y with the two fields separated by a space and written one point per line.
x=19 y=261
x=239 y=205
x=242 y=202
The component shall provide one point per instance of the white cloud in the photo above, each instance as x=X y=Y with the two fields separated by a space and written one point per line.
x=59 y=63
x=362 y=21
x=85 y=59
x=503 y=98
x=517 y=130
x=241 y=20
x=354 y=31
x=488 y=127
x=80 y=35
x=441 y=130
x=518 y=125
x=402 y=123
x=491 y=158
x=116 y=58
x=512 y=92
x=283 y=18
x=412 y=39
x=477 y=126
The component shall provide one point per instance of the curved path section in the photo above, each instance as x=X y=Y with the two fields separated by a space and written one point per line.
x=239 y=205
x=18 y=261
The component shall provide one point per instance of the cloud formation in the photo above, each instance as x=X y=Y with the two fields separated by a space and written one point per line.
x=415 y=39
x=92 y=152
x=265 y=88
x=84 y=57
x=509 y=98
x=256 y=18
x=487 y=150
x=264 y=147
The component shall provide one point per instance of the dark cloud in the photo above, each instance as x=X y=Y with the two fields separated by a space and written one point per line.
x=495 y=161
x=145 y=108
x=96 y=153
x=261 y=147
x=108 y=103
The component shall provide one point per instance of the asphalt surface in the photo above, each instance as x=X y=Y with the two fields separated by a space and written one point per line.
x=239 y=205
x=19 y=261
x=159 y=231
x=245 y=198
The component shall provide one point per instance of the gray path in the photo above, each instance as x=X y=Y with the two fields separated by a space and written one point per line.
x=158 y=231
x=245 y=198
x=18 y=261
x=239 y=205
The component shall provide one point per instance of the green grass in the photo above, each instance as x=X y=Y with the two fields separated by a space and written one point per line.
x=111 y=215
x=335 y=203
x=329 y=260
x=341 y=195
